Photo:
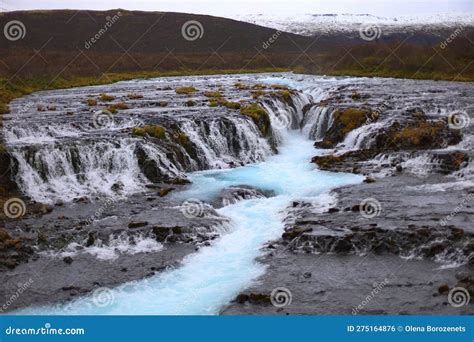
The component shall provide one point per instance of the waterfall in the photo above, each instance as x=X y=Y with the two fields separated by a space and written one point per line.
x=62 y=164
x=317 y=121
x=361 y=137
x=52 y=172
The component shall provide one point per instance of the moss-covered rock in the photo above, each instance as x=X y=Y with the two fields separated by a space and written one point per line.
x=91 y=102
x=259 y=116
x=185 y=90
x=134 y=96
x=344 y=121
x=212 y=94
x=106 y=98
x=155 y=131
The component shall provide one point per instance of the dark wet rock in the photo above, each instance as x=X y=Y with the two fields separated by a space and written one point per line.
x=165 y=191
x=40 y=208
x=253 y=298
x=369 y=180
x=443 y=289
x=238 y=193
x=137 y=224
x=117 y=186
x=90 y=240
x=13 y=251
x=294 y=232
x=68 y=260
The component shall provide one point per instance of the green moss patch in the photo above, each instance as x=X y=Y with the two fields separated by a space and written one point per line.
x=185 y=90
x=259 y=116
x=155 y=131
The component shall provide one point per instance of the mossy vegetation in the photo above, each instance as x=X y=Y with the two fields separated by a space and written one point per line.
x=185 y=90
x=224 y=103
x=10 y=90
x=241 y=86
x=91 y=102
x=134 y=96
x=117 y=106
x=259 y=116
x=155 y=131
x=419 y=136
x=181 y=138
x=350 y=119
x=212 y=94
x=344 y=121
x=106 y=98
x=257 y=93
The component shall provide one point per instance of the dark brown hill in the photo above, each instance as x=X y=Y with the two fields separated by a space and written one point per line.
x=59 y=44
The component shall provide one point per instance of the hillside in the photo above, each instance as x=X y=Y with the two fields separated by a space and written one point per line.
x=69 y=48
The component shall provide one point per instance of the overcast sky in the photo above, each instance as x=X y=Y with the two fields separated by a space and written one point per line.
x=232 y=7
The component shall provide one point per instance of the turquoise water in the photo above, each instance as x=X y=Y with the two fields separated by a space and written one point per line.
x=212 y=277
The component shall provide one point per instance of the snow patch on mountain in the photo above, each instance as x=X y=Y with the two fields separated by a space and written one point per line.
x=312 y=24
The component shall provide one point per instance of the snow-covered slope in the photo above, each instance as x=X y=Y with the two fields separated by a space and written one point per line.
x=311 y=24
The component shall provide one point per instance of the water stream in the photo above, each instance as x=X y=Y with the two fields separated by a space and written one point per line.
x=213 y=276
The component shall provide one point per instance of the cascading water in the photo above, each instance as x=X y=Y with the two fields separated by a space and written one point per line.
x=212 y=277
x=208 y=279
